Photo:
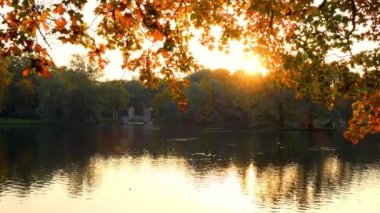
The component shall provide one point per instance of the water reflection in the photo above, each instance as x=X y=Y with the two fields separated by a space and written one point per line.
x=209 y=169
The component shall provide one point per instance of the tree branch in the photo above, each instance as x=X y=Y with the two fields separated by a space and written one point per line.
x=115 y=24
x=322 y=5
x=353 y=17
x=270 y=21
x=44 y=38
x=179 y=7
x=353 y=21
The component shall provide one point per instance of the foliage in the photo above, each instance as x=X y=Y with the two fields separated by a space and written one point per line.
x=114 y=98
x=214 y=97
x=53 y=96
x=23 y=98
x=165 y=108
x=294 y=38
x=218 y=97
x=139 y=95
x=68 y=94
x=80 y=63
x=5 y=80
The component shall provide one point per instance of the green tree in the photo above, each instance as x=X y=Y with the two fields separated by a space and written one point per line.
x=84 y=98
x=114 y=98
x=165 y=108
x=81 y=64
x=53 y=98
x=197 y=98
x=23 y=98
x=139 y=95
x=5 y=80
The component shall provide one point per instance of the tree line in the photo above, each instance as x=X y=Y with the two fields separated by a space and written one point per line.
x=73 y=93
x=222 y=97
x=69 y=94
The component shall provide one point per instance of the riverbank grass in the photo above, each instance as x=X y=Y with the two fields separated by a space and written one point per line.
x=13 y=121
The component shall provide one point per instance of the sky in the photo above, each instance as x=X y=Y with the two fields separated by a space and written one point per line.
x=237 y=59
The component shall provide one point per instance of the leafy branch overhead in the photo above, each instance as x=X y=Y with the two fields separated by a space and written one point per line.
x=306 y=44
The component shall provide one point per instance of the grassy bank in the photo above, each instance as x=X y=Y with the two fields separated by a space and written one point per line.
x=14 y=121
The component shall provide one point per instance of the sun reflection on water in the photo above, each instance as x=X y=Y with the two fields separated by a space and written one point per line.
x=124 y=174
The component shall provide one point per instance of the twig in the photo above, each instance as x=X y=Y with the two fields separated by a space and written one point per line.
x=323 y=3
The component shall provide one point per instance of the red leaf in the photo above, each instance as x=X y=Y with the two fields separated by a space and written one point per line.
x=25 y=72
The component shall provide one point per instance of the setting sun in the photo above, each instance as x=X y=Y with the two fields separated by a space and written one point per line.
x=236 y=59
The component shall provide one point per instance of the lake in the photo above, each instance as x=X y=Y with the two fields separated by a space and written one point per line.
x=145 y=168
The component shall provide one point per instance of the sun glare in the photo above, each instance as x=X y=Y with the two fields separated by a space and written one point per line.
x=235 y=60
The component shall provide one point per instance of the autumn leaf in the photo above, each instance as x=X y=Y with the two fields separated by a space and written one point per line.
x=44 y=16
x=109 y=6
x=59 y=9
x=127 y=19
x=74 y=20
x=25 y=72
x=137 y=14
x=102 y=48
x=157 y=36
x=46 y=27
x=60 y=23
x=164 y=53
x=7 y=2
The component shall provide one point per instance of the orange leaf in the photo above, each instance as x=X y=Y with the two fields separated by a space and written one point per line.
x=59 y=9
x=164 y=53
x=157 y=36
x=102 y=48
x=61 y=23
x=109 y=6
x=46 y=27
x=137 y=15
x=74 y=20
x=25 y=72
x=43 y=16
x=7 y=2
x=127 y=19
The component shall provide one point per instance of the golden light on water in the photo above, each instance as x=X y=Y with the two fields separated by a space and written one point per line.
x=169 y=184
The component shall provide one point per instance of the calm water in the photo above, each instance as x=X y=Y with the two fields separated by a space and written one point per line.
x=184 y=169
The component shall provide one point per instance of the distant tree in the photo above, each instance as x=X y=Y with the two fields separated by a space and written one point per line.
x=84 y=98
x=5 y=80
x=23 y=98
x=139 y=95
x=114 y=98
x=165 y=108
x=53 y=98
x=81 y=64
x=197 y=99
